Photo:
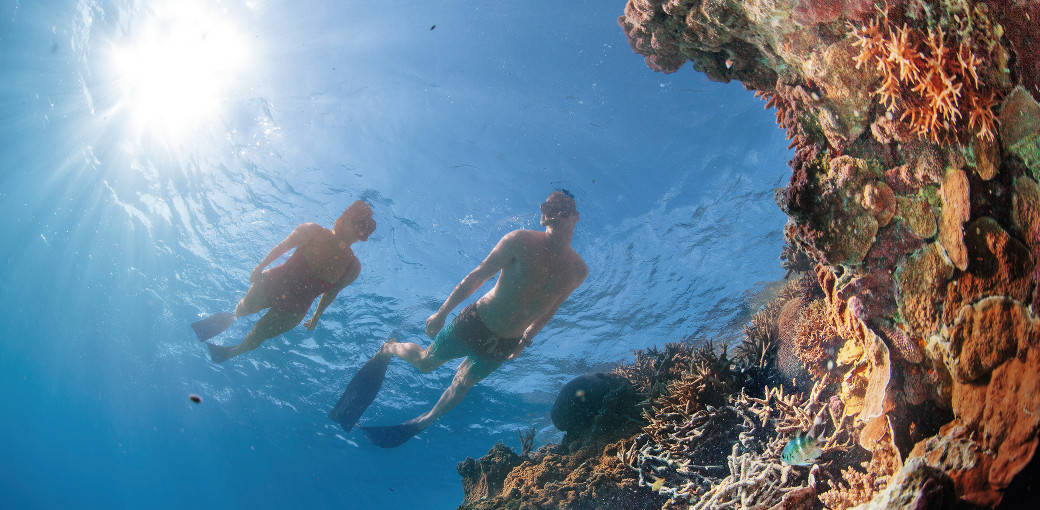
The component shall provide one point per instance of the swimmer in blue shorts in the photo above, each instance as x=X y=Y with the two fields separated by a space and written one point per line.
x=539 y=270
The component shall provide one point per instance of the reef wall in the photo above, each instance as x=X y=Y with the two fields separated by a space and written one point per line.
x=914 y=214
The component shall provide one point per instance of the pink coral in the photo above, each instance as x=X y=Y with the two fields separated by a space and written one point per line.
x=810 y=12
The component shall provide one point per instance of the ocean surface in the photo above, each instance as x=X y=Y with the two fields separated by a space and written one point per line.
x=153 y=152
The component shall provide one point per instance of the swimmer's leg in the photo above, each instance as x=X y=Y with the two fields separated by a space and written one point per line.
x=396 y=435
x=272 y=324
x=446 y=346
x=254 y=300
x=419 y=357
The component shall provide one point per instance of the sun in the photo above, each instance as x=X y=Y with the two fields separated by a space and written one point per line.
x=178 y=67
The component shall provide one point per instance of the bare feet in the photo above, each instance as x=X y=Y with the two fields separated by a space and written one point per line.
x=385 y=349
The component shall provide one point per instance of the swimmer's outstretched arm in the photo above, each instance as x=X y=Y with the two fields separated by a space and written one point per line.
x=298 y=236
x=328 y=297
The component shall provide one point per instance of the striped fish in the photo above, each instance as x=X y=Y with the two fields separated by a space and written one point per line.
x=802 y=450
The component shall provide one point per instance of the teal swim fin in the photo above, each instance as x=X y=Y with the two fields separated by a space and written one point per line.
x=392 y=436
x=361 y=391
x=213 y=325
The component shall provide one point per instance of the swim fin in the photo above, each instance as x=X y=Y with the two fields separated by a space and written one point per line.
x=219 y=353
x=392 y=436
x=361 y=391
x=213 y=325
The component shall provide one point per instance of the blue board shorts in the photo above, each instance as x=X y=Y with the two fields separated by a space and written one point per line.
x=468 y=336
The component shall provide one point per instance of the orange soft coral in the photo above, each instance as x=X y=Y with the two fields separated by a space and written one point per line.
x=929 y=79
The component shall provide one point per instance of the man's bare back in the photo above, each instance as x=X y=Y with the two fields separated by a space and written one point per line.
x=534 y=281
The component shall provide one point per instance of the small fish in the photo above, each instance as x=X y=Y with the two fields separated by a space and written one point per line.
x=729 y=63
x=802 y=450
x=433 y=27
x=658 y=483
x=195 y=398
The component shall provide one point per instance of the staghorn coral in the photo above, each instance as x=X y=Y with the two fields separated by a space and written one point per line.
x=858 y=486
x=526 y=441
x=761 y=336
x=689 y=453
x=653 y=369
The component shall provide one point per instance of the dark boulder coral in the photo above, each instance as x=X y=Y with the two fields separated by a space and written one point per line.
x=594 y=400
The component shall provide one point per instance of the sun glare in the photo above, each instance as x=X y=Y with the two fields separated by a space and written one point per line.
x=177 y=68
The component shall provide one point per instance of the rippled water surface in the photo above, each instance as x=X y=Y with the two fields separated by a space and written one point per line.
x=133 y=202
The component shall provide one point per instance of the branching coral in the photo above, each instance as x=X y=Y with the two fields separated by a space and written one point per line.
x=930 y=78
x=816 y=341
x=654 y=369
x=683 y=455
x=761 y=337
x=526 y=441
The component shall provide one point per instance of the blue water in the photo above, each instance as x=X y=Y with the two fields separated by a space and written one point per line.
x=116 y=237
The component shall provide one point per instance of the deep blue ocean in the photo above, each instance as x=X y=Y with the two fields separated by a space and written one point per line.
x=153 y=152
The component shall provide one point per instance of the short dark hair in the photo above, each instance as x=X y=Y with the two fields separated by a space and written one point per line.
x=563 y=205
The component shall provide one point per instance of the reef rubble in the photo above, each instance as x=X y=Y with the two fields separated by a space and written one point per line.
x=908 y=338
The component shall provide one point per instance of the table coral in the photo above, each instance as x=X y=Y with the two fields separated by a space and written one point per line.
x=1001 y=266
x=919 y=282
x=1020 y=128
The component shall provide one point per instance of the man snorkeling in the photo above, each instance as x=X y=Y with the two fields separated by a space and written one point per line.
x=539 y=270
x=322 y=265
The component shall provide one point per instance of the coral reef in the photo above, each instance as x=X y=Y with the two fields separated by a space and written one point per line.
x=913 y=211
x=916 y=133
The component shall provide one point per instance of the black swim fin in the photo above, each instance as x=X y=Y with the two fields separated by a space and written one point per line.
x=392 y=436
x=213 y=325
x=361 y=391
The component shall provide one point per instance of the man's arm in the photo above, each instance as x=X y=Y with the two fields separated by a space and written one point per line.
x=298 y=236
x=501 y=256
x=328 y=297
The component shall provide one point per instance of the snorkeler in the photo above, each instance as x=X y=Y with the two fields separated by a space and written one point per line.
x=539 y=270
x=322 y=265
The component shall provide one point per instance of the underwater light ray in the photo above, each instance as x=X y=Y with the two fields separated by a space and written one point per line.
x=177 y=69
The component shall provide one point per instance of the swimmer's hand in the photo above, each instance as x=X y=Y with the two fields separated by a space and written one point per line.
x=311 y=323
x=520 y=346
x=255 y=275
x=434 y=323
